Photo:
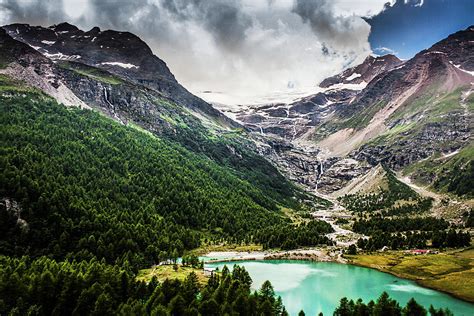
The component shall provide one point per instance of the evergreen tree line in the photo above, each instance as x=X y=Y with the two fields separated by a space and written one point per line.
x=458 y=179
x=47 y=287
x=385 y=306
x=399 y=224
x=411 y=240
x=408 y=233
x=385 y=198
x=420 y=206
x=289 y=237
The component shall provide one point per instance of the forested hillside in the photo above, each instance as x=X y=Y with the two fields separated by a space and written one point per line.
x=78 y=185
x=46 y=287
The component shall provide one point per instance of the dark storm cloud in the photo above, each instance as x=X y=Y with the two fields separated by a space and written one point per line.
x=33 y=12
x=319 y=15
x=245 y=47
x=225 y=20
x=337 y=30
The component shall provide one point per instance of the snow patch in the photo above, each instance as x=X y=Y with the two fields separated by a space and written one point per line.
x=328 y=103
x=348 y=86
x=436 y=52
x=61 y=56
x=463 y=70
x=34 y=47
x=48 y=42
x=226 y=101
x=353 y=76
x=399 y=67
x=123 y=65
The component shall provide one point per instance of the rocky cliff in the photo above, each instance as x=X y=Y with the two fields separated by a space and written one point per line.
x=121 y=54
x=382 y=111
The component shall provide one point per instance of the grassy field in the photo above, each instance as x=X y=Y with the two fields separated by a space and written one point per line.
x=91 y=72
x=451 y=272
x=226 y=247
x=167 y=272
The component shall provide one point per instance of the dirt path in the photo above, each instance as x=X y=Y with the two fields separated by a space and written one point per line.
x=342 y=237
x=444 y=206
x=420 y=190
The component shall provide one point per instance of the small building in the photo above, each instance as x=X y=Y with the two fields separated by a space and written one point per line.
x=209 y=271
x=384 y=248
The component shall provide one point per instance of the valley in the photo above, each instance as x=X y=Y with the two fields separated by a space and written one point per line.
x=113 y=173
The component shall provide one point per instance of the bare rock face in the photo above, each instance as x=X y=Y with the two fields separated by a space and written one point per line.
x=122 y=54
x=292 y=121
x=340 y=173
x=445 y=136
x=365 y=72
x=382 y=111
x=308 y=167
x=459 y=46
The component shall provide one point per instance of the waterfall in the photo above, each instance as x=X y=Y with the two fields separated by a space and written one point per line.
x=112 y=106
x=320 y=174
x=106 y=97
x=261 y=130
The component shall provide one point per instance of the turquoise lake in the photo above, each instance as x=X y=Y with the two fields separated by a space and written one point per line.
x=318 y=286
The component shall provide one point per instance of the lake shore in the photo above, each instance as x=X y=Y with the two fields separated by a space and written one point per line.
x=311 y=254
x=310 y=281
x=451 y=273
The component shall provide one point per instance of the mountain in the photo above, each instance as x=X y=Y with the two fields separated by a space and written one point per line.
x=120 y=54
x=110 y=166
x=293 y=120
x=130 y=155
x=120 y=94
x=365 y=72
x=382 y=111
x=389 y=100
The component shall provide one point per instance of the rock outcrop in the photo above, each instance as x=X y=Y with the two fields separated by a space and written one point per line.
x=121 y=54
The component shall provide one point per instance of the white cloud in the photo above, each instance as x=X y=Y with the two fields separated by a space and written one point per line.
x=360 y=7
x=240 y=48
x=384 y=50
x=75 y=8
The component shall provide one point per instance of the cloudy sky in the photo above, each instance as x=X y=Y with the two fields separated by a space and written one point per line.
x=244 y=49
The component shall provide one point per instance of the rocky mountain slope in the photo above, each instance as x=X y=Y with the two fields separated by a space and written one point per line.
x=365 y=72
x=151 y=99
x=121 y=54
x=382 y=111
